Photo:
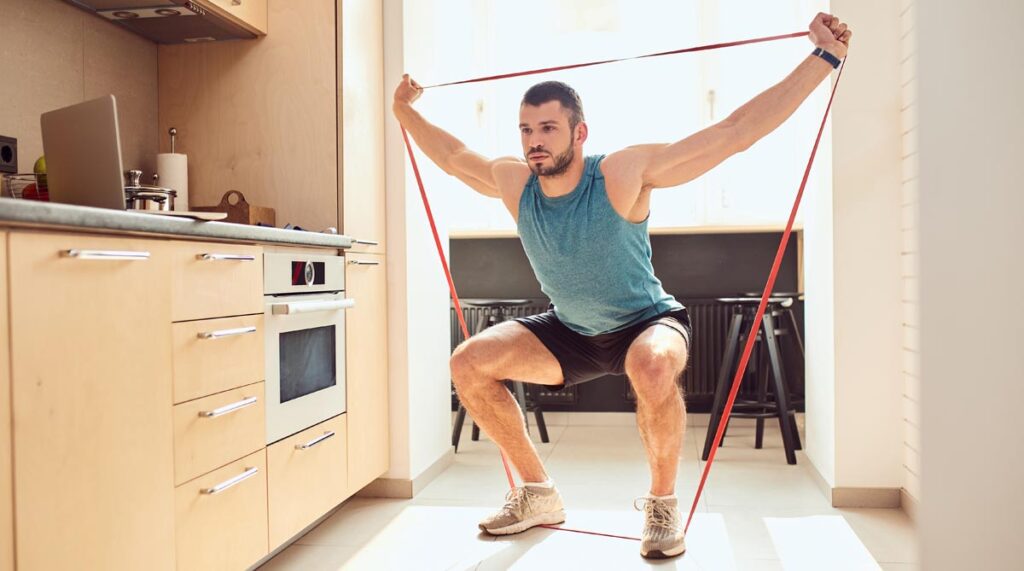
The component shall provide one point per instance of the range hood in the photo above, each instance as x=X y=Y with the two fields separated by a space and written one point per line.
x=169 y=21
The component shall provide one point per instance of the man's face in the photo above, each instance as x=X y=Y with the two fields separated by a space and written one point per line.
x=547 y=140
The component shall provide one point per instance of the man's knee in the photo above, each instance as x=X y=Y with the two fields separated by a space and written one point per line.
x=654 y=373
x=467 y=363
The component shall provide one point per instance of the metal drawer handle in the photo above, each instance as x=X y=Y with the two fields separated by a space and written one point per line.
x=311 y=306
x=234 y=257
x=104 y=255
x=315 y=441
x=367 y=242
x=246 y=402
x=362 y=263
x=221 y=333
x=249 y=473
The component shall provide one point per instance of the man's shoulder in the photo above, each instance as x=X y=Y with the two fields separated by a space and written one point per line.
x=511 y=172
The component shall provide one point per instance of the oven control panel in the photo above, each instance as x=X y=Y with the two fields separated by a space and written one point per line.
x=302 y=273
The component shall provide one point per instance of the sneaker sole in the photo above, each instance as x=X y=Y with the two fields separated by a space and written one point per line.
x=659 y=554
x=549 y=518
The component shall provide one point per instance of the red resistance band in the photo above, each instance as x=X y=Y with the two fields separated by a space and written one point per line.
x=769 y=286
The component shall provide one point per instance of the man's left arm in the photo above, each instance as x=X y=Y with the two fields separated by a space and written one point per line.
x=666 y=165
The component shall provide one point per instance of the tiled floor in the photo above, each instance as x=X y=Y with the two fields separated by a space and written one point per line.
x=756 y=513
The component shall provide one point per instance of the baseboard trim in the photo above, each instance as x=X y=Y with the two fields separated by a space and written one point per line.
x=404 y=487
x=866 y=497
x=856 y=497
x=909 y=504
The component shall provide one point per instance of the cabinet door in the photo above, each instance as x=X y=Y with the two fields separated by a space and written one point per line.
x=305 y=477
x=91 y=372
x=366 y=363
x=250 y=13
x=6 y=489
x=361 y=121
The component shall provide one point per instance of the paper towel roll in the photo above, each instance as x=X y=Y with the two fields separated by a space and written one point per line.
x=173 y=171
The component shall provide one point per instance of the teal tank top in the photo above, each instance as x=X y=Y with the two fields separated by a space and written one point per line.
x=593 y=264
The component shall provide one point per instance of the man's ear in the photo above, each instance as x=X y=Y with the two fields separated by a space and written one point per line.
x=580 y=136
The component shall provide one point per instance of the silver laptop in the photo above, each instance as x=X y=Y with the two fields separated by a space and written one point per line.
x=83 y=154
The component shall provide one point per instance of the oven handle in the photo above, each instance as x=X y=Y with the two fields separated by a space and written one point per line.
x=295 y=307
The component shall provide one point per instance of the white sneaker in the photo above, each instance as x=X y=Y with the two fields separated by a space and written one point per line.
x=663 y=535
x=525 y=507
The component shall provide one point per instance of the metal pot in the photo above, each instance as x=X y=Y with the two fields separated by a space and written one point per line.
x=147 y=197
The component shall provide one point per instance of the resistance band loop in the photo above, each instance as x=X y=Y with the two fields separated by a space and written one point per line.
x=769 y=286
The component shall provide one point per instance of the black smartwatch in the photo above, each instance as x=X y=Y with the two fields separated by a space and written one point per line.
x=833 y=60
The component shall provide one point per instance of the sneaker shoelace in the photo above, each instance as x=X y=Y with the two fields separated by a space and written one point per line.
x=657 y=513
x=518 y=501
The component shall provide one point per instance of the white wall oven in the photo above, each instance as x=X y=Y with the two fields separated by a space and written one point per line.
x=304 y=318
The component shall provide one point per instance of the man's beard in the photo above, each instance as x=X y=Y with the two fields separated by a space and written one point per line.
x=561 y=165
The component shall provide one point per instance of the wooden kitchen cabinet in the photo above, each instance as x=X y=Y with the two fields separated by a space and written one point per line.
x=366 y=369
x=305 y=477
x=260 y=117
x=91 y=391
x=6 y=487
x=295 y=121
x=361 y=99
x=251 y=14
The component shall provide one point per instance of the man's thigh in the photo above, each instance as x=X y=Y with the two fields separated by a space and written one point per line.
x=509 y=350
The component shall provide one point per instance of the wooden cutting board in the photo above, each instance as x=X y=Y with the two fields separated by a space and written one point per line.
x=240 y=211
x=204 y=216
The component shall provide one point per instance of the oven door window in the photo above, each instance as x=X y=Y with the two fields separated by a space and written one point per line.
x=307 y=361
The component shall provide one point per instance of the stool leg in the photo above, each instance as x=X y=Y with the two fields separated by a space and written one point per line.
x=787 y=381
x=460 y=417
x=796 y=332
x=762 y=396
x=781 y=398
x=800 y=346
x=722 y=388
x=521 y=397
x=476 y=432
x=538 y=414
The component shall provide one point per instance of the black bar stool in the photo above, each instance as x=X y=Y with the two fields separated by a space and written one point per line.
x=496 y=311
x=768 y=355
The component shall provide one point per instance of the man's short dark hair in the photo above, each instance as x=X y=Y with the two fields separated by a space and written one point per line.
x=556 y=91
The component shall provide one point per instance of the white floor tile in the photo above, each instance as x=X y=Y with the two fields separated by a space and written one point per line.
x=818 y=542
x=888 y=534
x=599 y=471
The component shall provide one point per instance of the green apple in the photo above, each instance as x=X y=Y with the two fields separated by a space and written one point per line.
x=40 y=166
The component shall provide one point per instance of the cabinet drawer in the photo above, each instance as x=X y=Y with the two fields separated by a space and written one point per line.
x=306 y=477
x=215 y=280
x=251 y=12
x=216 y=355
x=221 y=518
x=213 y=431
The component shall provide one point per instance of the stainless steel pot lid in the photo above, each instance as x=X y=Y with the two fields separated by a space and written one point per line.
x=149 y=191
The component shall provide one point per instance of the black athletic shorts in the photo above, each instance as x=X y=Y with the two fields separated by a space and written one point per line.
x=584 y=358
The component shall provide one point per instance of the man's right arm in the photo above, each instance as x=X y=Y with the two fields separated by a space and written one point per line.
x=442 y=147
